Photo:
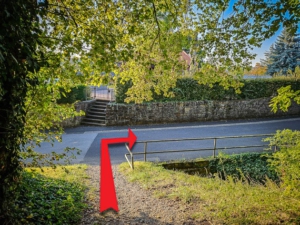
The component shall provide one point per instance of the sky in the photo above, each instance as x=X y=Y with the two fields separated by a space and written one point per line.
x=264 y=48
x=259 y=51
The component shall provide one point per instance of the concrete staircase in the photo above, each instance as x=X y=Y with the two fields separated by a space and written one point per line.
x=95 y=116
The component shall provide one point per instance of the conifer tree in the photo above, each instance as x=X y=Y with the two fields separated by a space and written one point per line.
x=284 y=55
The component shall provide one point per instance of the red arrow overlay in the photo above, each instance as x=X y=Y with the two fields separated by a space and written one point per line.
x=108 y=197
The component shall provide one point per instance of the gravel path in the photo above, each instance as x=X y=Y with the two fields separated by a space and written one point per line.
x=136 y=205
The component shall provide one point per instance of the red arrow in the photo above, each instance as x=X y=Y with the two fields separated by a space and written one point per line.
x=108 y=197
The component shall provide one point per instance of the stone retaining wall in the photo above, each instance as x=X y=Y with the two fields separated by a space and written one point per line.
x=173 y=112
x=75 y=121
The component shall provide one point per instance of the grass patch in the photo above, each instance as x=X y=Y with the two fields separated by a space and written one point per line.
x=53 y=196
x=219 y=201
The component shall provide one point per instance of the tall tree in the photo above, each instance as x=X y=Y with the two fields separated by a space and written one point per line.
x=63 y=37
x=285 y=54
x=267 y=61
x=19 y=55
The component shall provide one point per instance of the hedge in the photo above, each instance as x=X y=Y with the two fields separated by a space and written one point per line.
x=188 y=89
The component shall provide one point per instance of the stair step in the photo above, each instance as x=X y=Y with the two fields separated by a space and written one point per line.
x=96 y=110
x=91 y=114
x=102 y=101
x=95 y=116
x=98 y=107
x=93 y=124
x=93 y=119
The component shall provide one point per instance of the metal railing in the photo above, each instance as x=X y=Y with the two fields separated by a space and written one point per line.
x=214 y=148
x=102 y=93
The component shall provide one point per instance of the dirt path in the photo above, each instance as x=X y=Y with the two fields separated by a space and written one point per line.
x=136 y=205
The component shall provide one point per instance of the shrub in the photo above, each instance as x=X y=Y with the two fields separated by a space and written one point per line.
x=188 y=89
x=45 y=200
x=286 y=161
x=252 y=167
x=78 y=93
x=121 y=89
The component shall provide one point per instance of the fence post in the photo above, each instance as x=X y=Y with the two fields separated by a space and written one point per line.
x=94 y=92
x=145 y=151
x=215 y=146
x=132 y=162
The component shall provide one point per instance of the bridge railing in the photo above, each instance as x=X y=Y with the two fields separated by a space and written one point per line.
x=216 y=146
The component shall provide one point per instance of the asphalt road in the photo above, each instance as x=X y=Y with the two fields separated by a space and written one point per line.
x=88 y=138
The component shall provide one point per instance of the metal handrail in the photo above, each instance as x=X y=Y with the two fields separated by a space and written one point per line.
x=214 y=149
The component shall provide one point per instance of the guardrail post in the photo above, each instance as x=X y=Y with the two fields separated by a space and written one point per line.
x=132 y=162
x=145 y=151
x=215 y=146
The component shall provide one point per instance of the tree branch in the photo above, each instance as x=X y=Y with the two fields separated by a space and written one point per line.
x=157 y=23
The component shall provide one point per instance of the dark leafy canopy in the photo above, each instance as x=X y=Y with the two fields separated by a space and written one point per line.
x=19 y=56
x=284 y=55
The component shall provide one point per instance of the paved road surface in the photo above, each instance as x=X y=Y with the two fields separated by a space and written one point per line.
x=88 y=138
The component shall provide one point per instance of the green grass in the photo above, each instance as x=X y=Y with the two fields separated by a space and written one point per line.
x=219 y=201
x=51 y=196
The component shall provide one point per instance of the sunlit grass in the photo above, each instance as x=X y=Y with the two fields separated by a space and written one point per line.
x=219 y=201
x=70 y=173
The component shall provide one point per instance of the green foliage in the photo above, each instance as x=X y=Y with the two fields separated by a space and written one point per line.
x=44 y=117
x=40 y=43
x=188 y=89
x=284 y=98
x=251 y=167
x=286 y=94
x=221 y=201
x=286 y=160
x=259 y=88
x=78 y=93
x=19 y=33
x=121 y=89
x=284 y=54
x=46 y=200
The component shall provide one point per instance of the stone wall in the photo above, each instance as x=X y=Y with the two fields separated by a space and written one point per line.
x=75 y=121
x=173 y=112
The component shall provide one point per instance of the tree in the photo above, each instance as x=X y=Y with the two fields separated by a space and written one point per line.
x=19 y=55
x=258 y=70
x=267 y=61
x=56 y=40
x=285 y=54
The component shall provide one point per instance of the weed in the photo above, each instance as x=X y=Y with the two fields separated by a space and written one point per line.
x=229 y=201
x=50 y=197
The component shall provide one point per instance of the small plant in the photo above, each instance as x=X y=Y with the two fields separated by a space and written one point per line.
x=218 y=201
x=250 y=167
x=286 y=161
x=46 y=199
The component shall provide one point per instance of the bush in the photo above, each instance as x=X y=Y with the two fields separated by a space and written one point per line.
x=252 y=167
x=121 y=89
x=45 y=200
x=78 y=93
x=188 y=89
x=260 y=88
x=286 y=161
